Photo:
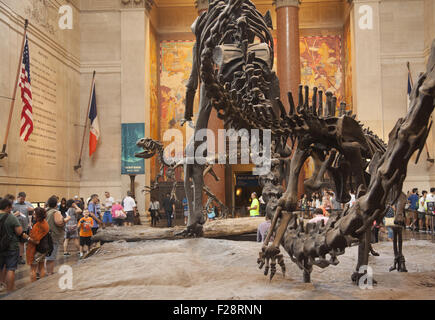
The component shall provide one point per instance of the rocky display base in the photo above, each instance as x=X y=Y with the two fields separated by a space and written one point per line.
x=222 y=269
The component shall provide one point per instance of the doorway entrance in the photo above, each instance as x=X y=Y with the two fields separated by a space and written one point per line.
x=246 y=183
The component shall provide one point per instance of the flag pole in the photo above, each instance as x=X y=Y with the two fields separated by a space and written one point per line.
x=3 y=153
x=79 y=165
x=429 y=159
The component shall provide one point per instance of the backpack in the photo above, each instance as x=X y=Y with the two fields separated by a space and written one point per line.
x=4 y=237
x=45 y=244
x=211 y=214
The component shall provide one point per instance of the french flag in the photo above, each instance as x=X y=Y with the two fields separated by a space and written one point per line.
x=410 y=85
x=409 y=89
x=94 y=134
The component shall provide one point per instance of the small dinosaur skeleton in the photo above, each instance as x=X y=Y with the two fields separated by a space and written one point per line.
x=153 y=148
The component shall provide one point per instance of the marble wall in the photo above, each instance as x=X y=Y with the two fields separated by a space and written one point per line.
x=106 y=38
x=399 y=35
x=429 y=36
x=44 y=165
x=101 y=51
x=114 y=43
x=403 y=40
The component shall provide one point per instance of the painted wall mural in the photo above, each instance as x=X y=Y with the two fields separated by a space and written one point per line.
x=321 y=67
x=321 y=64
x=175 y=67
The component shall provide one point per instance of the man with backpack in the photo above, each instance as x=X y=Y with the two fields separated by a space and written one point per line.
x=23 y=210
x=56 y=225
x=10 y=231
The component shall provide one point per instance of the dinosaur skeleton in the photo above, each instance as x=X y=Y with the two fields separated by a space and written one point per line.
x=152 y=148
x=233 y=56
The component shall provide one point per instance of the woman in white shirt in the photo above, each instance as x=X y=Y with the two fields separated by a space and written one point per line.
x=422 y=211
x=154 y=211
x=430 y=204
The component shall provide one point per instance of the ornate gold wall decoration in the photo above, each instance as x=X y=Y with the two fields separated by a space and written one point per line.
x=42 y=13
x=286 y=3
x=147 y=4
x=201 y=5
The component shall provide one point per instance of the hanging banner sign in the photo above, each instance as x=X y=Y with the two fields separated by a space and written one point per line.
x=131 y=132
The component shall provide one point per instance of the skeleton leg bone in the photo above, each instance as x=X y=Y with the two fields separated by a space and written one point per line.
x=196 y=171
x=287 y=204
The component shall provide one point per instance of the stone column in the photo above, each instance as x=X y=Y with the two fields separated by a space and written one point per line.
x=288 y=54
x=214 y=124
x=366 y=77
x=134 y=79
x=289 y=64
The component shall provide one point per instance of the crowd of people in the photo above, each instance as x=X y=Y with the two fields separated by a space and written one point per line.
x=325 y=201
x=167 y=210
x=33 y=235
x=420 y=210
x=419 y=213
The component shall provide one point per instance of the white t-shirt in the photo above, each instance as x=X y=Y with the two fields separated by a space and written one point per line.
x=108 y=202
x=430 y=198
x=129 y=204
x=155 y=205
x=352 y=200
x=421 y=204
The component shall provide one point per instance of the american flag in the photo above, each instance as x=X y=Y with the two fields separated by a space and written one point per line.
x=26 y=95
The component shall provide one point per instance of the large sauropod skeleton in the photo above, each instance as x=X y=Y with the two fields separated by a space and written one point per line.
x=234 y=57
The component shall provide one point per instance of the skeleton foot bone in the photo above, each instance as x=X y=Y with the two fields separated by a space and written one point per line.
x=269 y=257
